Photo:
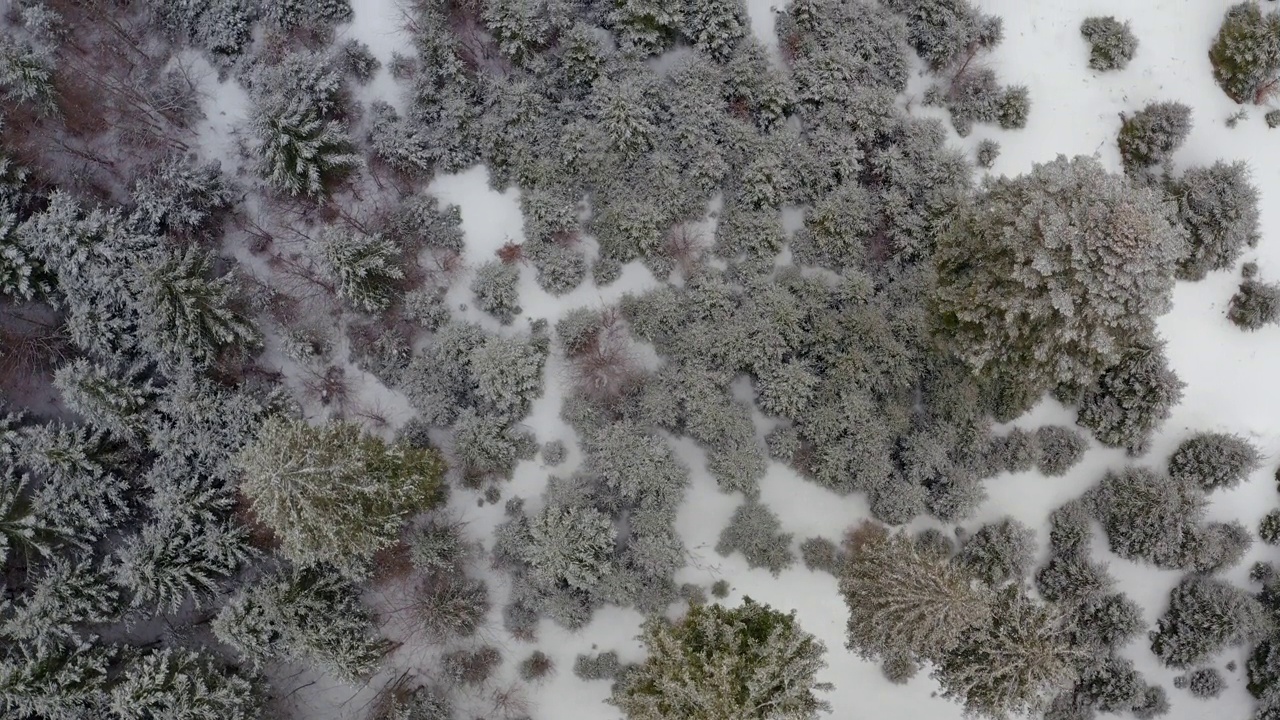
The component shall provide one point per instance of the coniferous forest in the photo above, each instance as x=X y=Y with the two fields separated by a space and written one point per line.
x=638 y=360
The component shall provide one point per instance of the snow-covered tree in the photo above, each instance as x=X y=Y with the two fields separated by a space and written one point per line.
x=1204 y=617
x=942 y=30
x=1127 y=403
x=1255 y=305
x=56 y=682
x=184 y=313
x=311 y=615
x=22 y=529
x=1013 y=665
x=1147 y=516
x=169 y=562
x=182 y=685
x=1219 y=206
x=507 y=373
x=1112 y=43
x=999 y=552
x=1020 y=307
x=333 y=493
x=1060 y=448
x=176 y=196
x=364 y=267
x=747 y=662
x=571 y=546
x=288 y=14
x=66 y=595
x=116 y=401
x=754 y=530
x=715 y=26
x=26 y=74
x=1151 y=135
x=1246 y=53
x=300 y=151
x=903 y=600
x=1214 y=460
x=494 y=287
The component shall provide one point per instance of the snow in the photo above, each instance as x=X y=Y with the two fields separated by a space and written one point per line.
x=1231 y=381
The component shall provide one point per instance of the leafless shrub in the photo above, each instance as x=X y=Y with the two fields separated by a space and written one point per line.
x=605 y=366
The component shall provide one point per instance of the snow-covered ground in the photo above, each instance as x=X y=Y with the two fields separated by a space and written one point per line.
x=1232 y=383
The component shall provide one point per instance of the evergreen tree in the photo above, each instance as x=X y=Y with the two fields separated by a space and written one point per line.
x=182 y=685
x=184 y=313
x=170 y=562
x=178 y=197
x=112 y=400
x=1150 y=517
x=1016 y=663
x=1060 y=449
x=755 y=531
x=1112 y=43
x=66 y=595
x=22 y=529
x=365 y=267
x=26 y=75
x=332 y=493
x=495 y=289
x=571 y=546
x=1000 y=552
x=289 y=14
x=1219 y=207
x=903 y=600
x=1023 y=310
x=715 y=26
x=1128 y=401
x=507 y=375
x=1246 y=52
x=311 y=615
x=1204 y=617
x=300 y=151
x=57 y=682
x=1152 y=134
x=1255 y=305
x=749 y=662
x=1214 y=460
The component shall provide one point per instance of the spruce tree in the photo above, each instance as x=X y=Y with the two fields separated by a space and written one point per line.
x=112 y=400
x=332 y=493
x=56 y=682
x=750 y=662
x=365 y=267
x=182 y=685
x=301 y=151
x=65 y=595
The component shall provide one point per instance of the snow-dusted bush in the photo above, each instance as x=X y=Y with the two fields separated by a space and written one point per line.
x=357 y=60
x=999 y=552
x=735 y=660
x=1246 y=53
x=605 y=270
x=1219 y=207
x=1002 y=317
x=538 y=666
x=485 y=446
x=471 y=667
x=1112 y=43
x=554 y=452
x=1014 y=452
x=1107 y=622
x=1269 y=528
x=1214 y=460
x=1151 y=135
x=1206 y=683
x=571 y=546
x=988 y=151
x=1151 y=517
x=1129 y=400
x=820 y=553
x=494 y=287
x=976 y=96
x=1204 y=617
x=1060 y=448
x=601 y=666
x=754 y=530
x=1111 y=684
x=332 y=493
x=1255 y=305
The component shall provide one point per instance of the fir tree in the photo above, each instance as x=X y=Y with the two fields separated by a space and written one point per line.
x=178 y=197
x=1000 y=552
x=1128 y=401
x=1214 y=460
x=1219 y=207
x=1112 y=43
x=495 y=289
x=301 y=151
x=1152 y=134
x=169 y=562
x=110 y=400
x=1255 y=305
x=1246 y=53
x=1204 y=617
x=65 y=596
x=58 y=682
x=26 y=75
x=571 y=546
x=332 y=493
x=755 y=531
x=365 y=267
x=23 y=530
x=1021 y=309
x=748 y=662
x=903 y=600
x=182 y=685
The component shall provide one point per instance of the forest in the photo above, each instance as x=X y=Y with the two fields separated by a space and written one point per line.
x=394 y=360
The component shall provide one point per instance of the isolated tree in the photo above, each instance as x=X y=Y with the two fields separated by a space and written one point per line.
x=904 y=600
x=1150 y=136
x=1219 y=207
x=1020 y=305
x=1255 y=305
x=755 y=531
x=299 y=150
x=494 y=286
x=1204 y=617
x=364 y=267
x=1014 y=664
x=1246 y=53
x=1214 y=460
x=750 y=662
x=311 y=615
x=333 y=493
x=1112 y=43
x=185 y=315
x=182 y=685
x=1128 y=401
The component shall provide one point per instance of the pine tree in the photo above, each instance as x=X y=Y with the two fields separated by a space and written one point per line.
x=289 y=14
x=1000 y=552
x=112 y=400
x=170 y=562
x=494 y=286
x=1022 y=308
x=182 y=685
x=571 y=546
x=19 y=274
x=184 y=313
x=1205 y=616
x=507 y=372
x=64 y=596
x=1147 y=516
x=26 y=75
x=332 y=493
x=311 y=615
x=1016 y=663
x=59 y=682
x=715 y=26
x=751 y=662
x=1219 y=207
x=301 y=151
x=178 y=197
x=365 y=267
x=903 y=600
x=23 y=530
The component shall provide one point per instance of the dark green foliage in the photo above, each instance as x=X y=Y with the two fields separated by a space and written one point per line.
x=1219 y=206
x=1255 y=305
x=1060 y=449
x=1000 y=552
x=1269 y=528
x=1206 y=683
x=1246 y=53
x=755 y=531
x=1112 y=43
x=1204 y=617
x=1130 y=399
x=1214 y=461
x=1151 y=135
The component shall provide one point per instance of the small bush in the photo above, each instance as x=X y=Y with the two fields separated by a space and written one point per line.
x=1269 y=528
x=720 y=589
x=1246 y=53
x=1112 y=43
x=1155 y=702
x=755 y=531
x=693 y=594
x=1273 y=118
x=554 y=452
x=1219 y=207
x=601 y=666
x=999 y=552
x=898 y=669
x=495 y=290
x=1206 y=683
x=450 y=605
x=605 y=271
x=821 y=554
x=471 y=667
x=1255 y=305
x=988 y=151
x=1152 y=134
x=1060 y=449
x=538 y=666
x=1214 y=460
